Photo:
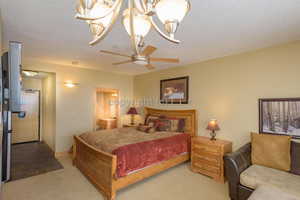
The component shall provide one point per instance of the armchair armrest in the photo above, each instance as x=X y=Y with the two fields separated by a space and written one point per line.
x=235 y=164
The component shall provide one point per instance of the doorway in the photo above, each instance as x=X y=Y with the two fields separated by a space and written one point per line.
x=33 y=137
x=107 y=108
x=27 y=129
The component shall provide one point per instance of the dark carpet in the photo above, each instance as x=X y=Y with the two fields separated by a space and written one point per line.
x=30 y=159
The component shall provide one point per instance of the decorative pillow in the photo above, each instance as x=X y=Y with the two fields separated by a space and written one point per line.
x=272 y=151
x=170 y=124
x=163 y=125
x=151 y=119
x=146 y=129
x=177 y=125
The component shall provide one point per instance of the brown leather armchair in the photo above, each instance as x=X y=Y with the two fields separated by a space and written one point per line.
x=235 y=164
x=240 y=160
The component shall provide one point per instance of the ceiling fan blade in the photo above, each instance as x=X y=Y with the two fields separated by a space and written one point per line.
x=148 y=50
x=150 y=67
x=169 y=60
x=114 y=53
x=123 y=62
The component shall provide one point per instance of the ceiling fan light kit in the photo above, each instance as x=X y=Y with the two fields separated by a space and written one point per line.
x=137 y=18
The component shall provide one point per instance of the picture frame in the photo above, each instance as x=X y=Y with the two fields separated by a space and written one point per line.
x=174 y=90
x=280 y=116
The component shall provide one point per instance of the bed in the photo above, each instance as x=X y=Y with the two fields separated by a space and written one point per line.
x=100 y=167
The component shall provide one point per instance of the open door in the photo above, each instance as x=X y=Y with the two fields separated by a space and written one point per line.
x=27 y=129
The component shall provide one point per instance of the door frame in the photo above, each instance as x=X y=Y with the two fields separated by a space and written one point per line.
x=39 y=117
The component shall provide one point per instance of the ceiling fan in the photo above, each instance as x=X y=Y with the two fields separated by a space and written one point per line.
x=143 y=58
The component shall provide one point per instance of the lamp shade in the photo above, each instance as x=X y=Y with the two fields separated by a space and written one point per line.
x=212 y=125
x=141 y=23
x=97 y=10
x=132 y=111
x=171 y=10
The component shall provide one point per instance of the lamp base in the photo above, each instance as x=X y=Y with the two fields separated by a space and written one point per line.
x=213 y=135
x=132 y=120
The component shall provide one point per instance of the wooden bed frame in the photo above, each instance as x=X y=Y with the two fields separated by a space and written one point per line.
x=100 y=167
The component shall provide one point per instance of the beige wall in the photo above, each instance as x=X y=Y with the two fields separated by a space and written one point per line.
x=31 y=83
x=228 y=88
x=75 y=107
x=49 y=110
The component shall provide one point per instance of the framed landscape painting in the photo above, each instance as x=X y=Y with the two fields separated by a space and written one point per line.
x=280 y=116
x=175 y=90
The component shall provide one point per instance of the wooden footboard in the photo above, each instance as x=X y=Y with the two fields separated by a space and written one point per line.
x=98 y=166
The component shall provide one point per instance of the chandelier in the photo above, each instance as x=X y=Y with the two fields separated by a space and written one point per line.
x=100 y=15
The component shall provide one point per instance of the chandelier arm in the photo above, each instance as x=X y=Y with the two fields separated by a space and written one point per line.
x=109 y=27
x=162 y=33
x=143 y=5
x=145 y=8
x=83 y=3
x=112 y=9
x=131 y=8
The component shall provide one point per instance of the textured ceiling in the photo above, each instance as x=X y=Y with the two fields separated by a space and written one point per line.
x=212 y=29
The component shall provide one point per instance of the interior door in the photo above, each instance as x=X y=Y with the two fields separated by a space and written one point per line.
x=27 y=129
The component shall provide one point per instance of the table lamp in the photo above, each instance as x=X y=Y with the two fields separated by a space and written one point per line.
x=132 y=111
x=213 y=127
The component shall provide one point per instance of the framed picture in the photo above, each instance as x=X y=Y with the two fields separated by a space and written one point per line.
x=175 y=90
x=280 y=116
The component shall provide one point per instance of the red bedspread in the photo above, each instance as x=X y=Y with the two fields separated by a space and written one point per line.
x=139 y=155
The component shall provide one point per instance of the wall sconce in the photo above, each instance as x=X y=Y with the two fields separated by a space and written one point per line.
x=70 y=84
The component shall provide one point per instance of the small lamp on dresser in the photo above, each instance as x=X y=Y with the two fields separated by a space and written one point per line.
x=213 y=127
x=132 y=111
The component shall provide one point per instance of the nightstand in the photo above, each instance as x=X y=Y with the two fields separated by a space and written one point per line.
x=107 y=123
x=207 y=157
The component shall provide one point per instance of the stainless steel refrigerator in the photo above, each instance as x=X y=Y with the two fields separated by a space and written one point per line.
x=10 y=101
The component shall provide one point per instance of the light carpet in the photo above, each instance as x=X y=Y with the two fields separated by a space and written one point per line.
x=178 y=183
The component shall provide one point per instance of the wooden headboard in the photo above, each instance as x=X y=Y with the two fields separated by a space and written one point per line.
x=188 y=115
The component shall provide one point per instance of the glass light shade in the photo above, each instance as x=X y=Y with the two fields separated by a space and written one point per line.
x=141 y=23
x=171 y=10
x=98 y=9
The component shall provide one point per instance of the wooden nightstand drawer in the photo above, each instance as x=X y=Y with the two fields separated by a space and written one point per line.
x=207 y=157
x=206 y=167
x=209 y=146
x=207 y=149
